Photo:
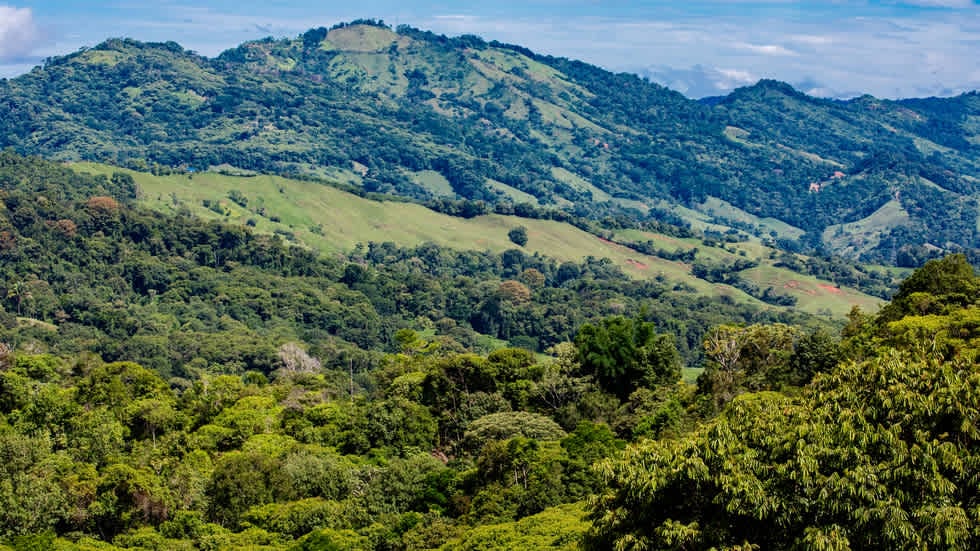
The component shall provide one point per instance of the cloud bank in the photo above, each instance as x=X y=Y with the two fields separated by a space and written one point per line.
x=834 y=54
x=18 y=33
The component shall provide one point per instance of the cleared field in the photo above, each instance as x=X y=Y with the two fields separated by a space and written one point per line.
x=813 y=295
x=579 y=184
x=854 y=238
x=723 y=209
x=432 y=181
x=330 y=220
x=513 y=193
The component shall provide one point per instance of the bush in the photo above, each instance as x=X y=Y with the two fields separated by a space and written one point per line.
x=518 y=236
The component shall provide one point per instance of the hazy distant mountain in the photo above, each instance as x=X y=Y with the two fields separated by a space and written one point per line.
x=700 y=82
x=375 y=106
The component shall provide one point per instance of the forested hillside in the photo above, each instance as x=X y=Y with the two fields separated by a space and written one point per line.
x=84 y=269
x=378 y=289
x=170 y=383
x=427 y=116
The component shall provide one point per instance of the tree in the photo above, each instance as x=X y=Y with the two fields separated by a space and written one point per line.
x=514 y=292
x=505 y=425
x=532 y=277
x=518 y=236
x=756 y=357
x=296 y=361
x=534 y=532
x=559 y=384
x=780 y=473
x=933 y=288
x=624 y=353
x=242 y=480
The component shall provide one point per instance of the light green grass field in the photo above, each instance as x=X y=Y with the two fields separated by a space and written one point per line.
x=330 y=220
x=435 y=183
x=856 y=237
x=723 y=209
x=513 y=193
x=812 y=295
x=578 y=183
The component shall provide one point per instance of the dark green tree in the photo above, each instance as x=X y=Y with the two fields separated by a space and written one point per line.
x=625 y=353
x=938 y=285
x=518 y=236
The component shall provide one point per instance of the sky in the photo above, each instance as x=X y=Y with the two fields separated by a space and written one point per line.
x=837 y=48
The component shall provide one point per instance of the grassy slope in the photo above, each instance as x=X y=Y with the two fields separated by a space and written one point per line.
x=434 y=182
x=813 y=295
x=347 y=219
x=854 y=238
x=724 y=210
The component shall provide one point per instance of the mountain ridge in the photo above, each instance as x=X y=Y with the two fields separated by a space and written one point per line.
x=368 y=104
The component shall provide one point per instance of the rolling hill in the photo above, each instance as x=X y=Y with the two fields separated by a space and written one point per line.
x=331 y=220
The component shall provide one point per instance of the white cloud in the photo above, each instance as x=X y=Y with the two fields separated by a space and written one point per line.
x=838 y=55
x=812 y=40
x=699 y=81
x=766 y=49
x=18 y=32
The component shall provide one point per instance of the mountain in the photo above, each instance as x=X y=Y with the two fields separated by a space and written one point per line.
x=410 y=112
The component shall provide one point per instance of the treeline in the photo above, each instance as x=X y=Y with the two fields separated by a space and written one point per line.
x=84 y=271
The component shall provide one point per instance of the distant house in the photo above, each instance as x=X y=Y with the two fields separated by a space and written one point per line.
x=814 y=187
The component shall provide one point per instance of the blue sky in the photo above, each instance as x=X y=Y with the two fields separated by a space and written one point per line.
x=702 y=47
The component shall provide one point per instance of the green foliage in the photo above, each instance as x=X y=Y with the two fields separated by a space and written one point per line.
x=753 y=358
x=848 y=472
x=242 y=481
x=553 y=528
x=933 y=289
x=331 y=540
x=624 y=354
x=297 y=518
x=508 y=424
x=518 y=236
x=876 y=453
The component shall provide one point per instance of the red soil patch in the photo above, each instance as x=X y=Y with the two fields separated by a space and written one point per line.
x=793 y=284
x=614 y=244
x=830 y=289
x=636 y=264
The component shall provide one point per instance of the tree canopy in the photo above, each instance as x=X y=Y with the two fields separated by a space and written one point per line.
x=881 y=452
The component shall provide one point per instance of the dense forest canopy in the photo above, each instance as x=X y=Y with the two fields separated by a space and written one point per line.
x=881 y=451
x=169 y=383
x=885 y=181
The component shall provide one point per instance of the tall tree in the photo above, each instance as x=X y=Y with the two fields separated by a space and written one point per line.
x=624 y=354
